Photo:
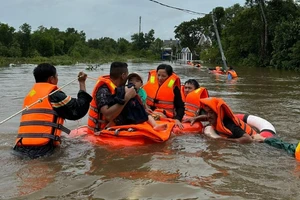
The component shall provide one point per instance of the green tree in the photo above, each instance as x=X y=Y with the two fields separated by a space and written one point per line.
x=24 y=39
x=189 y=33
x=3 y=50
x=15 y=49
x=123 y=46
x=149 y=38
x=108 y=45
x=43 y=42
x=156 y=46
x=72 y=36
x=138 y=41
x=7 y=34
x=142 y=40
x=241 y=38
x=93 y=43
x=286 y=45
x=79 y=50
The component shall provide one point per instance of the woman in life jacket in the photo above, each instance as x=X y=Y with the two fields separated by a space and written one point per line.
x=223 y=123
x=163 y=93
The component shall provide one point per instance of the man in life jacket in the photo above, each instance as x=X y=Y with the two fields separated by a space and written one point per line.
x=114 y=103
x=42 y=123
x=223 y=123
x=192 y=93
x=231 y=73
x=292 y=149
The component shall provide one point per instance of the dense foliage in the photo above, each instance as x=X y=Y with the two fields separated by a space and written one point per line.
x=261 y=33
x=72 y=45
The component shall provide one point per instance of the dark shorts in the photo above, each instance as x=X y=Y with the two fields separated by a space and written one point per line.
x=33 y=152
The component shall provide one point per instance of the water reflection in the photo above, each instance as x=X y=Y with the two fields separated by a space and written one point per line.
x=36 y=175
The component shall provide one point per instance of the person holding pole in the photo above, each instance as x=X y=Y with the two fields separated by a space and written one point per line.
x=45 y=108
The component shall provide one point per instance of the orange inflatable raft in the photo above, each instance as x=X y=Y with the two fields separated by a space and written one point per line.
x=136 y=134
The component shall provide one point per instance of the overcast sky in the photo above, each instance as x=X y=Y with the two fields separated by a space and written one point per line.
x=106 y=18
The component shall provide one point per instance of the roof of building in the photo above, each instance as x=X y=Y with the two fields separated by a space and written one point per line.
x=185 y=50
x=170 y=43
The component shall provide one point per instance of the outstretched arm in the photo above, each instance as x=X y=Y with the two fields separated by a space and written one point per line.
x=196 y=119
x=238 y=134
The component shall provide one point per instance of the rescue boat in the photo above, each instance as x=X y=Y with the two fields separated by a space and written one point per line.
x=135 y=134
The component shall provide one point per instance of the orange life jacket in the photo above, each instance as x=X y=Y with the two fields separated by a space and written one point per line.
x=40 y=123
x=96 y=120
x=192 y=102
x=219 y=106
x=232 y=73
x=297 y=152
x=182 y=93
x=161 y=97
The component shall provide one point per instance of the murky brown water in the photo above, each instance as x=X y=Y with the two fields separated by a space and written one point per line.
x=185 y=167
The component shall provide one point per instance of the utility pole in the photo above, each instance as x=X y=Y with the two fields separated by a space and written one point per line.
x=140 y=27
x=219 y=42
x=140 y=24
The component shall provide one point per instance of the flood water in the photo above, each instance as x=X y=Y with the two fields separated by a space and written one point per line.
x=184 y=167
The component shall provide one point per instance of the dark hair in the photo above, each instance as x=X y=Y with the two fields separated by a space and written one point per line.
x=193 y=82
x=117 y=69
x=43 y=71
x=166 y=67
x=230 y=67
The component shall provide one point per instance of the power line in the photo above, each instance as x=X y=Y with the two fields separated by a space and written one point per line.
x=198 y=13
x=181 y=9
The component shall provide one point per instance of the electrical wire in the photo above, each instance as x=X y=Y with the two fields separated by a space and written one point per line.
x=181 y=9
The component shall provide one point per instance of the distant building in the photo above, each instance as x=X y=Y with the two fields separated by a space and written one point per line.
x=167 y=49
x=184 y=55
x=170 y=43
x=167 y=53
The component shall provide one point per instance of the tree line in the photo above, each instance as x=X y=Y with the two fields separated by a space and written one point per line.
x=260 y=33
x=49 y=42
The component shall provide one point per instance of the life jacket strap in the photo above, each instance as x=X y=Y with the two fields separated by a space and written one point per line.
x=43 y=123
x=39 y=110
x=39 y=135
x=157 y=101
x=117 y=130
